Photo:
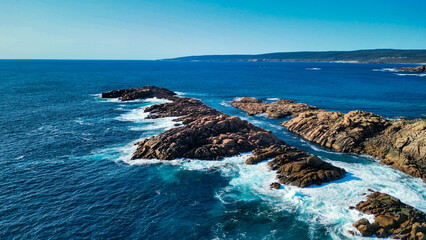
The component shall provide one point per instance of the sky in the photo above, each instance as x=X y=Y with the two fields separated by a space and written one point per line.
x=131 y=29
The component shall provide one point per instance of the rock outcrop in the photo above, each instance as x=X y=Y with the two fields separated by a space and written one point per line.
x=392 y=218
x=335 y=130
x=278 y=109
x=400 y=144
x=139 y=93
x=419 y=69
x=210 y=137
x=207 y=134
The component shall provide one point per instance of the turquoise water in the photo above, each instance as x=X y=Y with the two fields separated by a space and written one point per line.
x=67 y=173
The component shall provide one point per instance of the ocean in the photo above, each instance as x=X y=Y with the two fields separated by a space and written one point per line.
x=65 y=162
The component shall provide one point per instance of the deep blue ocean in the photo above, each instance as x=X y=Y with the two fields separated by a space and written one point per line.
x=65 y=161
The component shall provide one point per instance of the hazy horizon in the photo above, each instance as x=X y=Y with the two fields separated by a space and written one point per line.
x=150 y=30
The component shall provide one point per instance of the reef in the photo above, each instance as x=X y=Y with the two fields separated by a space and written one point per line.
x=207 y=134
x=400 y=144
x=392 y=218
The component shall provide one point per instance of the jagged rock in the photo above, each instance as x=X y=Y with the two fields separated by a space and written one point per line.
x=392 y=218
x=295 y=167
x=278 y=109
x=251 y=105
x=136 y=93
x=207 y=134
x=402 y=146
x=210 y=137
x=421 y=68
x=335 y=130
x=275 y=185
x=187 y=109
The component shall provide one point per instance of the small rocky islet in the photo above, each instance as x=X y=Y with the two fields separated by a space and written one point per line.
x=204 y=133
x=418 y=69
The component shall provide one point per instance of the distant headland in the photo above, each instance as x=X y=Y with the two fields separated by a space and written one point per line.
x=358 y=56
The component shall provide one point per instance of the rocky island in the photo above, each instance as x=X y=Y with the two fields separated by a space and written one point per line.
x=400 y=144
x=208 y=134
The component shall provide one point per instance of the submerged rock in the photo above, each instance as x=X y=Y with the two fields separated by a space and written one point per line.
x=208 y=134
x=392 y=218
x=419 y=69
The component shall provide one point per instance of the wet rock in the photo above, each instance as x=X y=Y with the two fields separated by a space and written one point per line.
x=392 y=218
x=365 y=227
x=275 y=185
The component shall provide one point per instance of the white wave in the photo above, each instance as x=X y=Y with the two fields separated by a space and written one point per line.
x=313 y=69
x=180 y=93
x=393 y=118
x=272 y=99
x=20 y=157
x=412 y=74
x=156 y=100
x=81 y=122
x=237 y=99
x=157 y=124
x=137 y=115
x=318 y=149
x=225 y=103
x=386 y=70
x=325 y=205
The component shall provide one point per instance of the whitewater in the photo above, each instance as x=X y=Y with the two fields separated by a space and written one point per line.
x=326 y=205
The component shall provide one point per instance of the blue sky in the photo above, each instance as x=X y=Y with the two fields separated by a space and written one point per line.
x=129 y=29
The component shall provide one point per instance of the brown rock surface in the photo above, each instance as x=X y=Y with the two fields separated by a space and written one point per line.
x=278 y=109
x=335 y=130
x=401 y=144
x=421 y=68
x=295 y=167
x=392 y=218
x=210 y=135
